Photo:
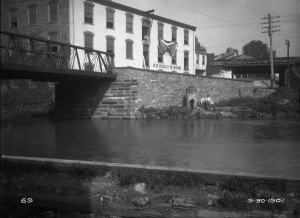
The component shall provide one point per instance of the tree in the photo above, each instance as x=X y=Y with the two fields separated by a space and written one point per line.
x=199 y=47
x=231 y=51
x=256 y=49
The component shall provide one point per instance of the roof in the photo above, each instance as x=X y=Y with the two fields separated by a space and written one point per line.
x=143 y=13
x=233 y=57
x=250 y=61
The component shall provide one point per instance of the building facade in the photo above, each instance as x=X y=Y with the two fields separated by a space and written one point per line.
x=137 y=38
x=200 y=63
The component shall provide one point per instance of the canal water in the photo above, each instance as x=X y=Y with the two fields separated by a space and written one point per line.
x=265 y=147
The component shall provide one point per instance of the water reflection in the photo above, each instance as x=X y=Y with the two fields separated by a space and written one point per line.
x=262 y=147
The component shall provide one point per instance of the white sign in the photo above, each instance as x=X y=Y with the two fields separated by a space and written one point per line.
x=166 y=66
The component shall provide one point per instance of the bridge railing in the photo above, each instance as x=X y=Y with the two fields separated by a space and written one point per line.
x=42 y=53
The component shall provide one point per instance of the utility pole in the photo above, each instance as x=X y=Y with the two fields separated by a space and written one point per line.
x=287 y=42
x=270 y=29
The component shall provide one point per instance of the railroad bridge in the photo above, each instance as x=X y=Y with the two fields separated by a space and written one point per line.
x=86 y=85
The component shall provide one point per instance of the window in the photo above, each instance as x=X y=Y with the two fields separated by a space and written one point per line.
x=174 y=58
x=110 y=18
x=129 y=23
x=129 y=49
x=13 y=18
x=186 y=60
x=160 y=58
x=174 y=34
x=160 y=31
x=52 y=11
x=146 y=54
x=203 y=60
x=53 y=36
x=186 y=37
x=32 y=15
x=88 y=12
x=88 y=40
x=145 y=30
x=197 y=60
x=110 y=44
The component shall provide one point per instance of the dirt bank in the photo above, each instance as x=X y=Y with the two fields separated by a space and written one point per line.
x=44 y=188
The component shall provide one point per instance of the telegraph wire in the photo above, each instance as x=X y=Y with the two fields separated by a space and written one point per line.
x=220 y=19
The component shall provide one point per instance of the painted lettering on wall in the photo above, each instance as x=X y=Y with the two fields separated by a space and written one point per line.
x=166 y=66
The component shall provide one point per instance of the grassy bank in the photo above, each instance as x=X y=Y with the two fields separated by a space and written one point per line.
x=284 y=103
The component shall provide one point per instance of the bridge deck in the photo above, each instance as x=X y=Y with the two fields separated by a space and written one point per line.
x=23 y=71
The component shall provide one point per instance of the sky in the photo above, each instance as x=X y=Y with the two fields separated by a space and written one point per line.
x=231 y=23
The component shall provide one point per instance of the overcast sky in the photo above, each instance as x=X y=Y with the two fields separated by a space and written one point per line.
x=231 y=23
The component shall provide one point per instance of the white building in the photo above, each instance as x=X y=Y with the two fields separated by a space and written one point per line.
x=132 y=35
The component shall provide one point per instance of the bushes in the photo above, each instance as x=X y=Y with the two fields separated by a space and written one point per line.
x=270 y=104
x=172 y=112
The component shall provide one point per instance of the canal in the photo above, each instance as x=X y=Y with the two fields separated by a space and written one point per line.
x=264 y=147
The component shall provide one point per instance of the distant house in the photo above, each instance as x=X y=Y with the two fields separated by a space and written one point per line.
x=243 y=66
x=217 y=69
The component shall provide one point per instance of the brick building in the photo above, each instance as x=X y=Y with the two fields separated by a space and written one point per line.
x=137 y=38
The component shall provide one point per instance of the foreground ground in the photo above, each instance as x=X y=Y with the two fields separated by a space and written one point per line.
x=41 y=190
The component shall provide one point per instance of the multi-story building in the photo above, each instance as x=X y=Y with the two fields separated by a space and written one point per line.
x=137 y=38
x=200 y=63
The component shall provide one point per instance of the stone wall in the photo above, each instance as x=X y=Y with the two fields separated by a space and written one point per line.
x=135 y=88
x=96 y=100
x=162 y=89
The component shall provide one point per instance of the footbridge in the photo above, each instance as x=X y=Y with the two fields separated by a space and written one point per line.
x=25 y=57
x=86 y=85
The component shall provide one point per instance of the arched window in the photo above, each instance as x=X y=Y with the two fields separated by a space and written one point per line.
x=174 y=58
x=110 y=47
x=52 y=11
x=145 y=29
x=110 y=13
x=89 y=39
x=186 y=60
x=160 y=57
x=129 y=23
x=129 y=49
x=186 y=37
x=146 y=54
x=32 y=13
x=88 y=12
x=174 y=33
x=160 y=30
x=13 y=17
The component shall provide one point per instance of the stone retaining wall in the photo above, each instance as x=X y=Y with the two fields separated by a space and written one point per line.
x=162 y=89
x=96 y=100
x=135 y=88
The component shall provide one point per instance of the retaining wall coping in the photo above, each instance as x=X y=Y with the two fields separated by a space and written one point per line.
x=148 y=167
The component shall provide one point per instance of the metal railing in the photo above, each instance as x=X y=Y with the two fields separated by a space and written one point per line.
x=42 y=53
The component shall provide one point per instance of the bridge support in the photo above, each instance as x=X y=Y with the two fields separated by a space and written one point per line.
x=103 y=99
